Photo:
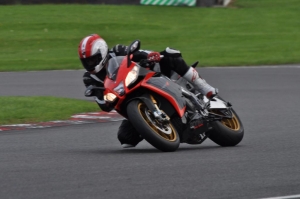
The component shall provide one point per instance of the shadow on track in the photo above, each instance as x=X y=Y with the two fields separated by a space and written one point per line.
x=148 y=150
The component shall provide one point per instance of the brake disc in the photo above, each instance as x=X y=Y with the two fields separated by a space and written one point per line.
x=166 y=129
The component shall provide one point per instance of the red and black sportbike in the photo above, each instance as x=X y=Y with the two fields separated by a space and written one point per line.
x=167 y=112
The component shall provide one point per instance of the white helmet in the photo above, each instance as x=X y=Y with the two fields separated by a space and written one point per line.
x=93 y=53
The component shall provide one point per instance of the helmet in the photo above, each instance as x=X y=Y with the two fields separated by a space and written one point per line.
x=93 y=53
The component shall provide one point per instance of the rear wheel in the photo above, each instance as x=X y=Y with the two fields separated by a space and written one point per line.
x=228 y=131
x=162 y=136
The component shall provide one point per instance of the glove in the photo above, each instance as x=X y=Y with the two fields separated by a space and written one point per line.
x=154 y=56
x=145 y=63
x=89 y=81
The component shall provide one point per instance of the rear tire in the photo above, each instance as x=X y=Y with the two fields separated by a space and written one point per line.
x=148 y=127
x=228 y=132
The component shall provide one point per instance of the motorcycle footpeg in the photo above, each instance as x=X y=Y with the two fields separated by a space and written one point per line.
x=195 y=124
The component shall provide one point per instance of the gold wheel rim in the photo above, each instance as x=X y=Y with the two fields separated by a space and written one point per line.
x=170 y=137
x=231 y=123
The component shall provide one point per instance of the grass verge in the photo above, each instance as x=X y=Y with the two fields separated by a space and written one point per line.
x=14 y=110
x=45 y=37
x=252 y=32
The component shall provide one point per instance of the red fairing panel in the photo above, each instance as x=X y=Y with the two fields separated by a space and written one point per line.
x=168 y=89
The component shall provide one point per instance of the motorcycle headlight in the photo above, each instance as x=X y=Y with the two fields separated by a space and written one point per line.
x=110 y=97
x=132 y=76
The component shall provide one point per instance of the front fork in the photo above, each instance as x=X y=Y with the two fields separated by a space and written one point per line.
x=158 y=114
x=151 y=104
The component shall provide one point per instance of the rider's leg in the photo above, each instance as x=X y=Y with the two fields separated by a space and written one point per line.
x=127 y=135
x=200 y=84
x=172 y=60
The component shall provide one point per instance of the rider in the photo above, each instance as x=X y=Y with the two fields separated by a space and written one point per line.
x=94 y=55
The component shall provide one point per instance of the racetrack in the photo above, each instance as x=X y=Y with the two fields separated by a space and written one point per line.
x=86 y=161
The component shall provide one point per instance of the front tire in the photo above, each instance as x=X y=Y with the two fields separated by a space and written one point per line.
x=150 y=129
x=227 y=132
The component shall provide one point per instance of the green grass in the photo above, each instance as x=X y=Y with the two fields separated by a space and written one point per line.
x=253 y=32
x=37 y=109
x=45 y=37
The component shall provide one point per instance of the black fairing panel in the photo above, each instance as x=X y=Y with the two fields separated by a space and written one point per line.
x=169 y=87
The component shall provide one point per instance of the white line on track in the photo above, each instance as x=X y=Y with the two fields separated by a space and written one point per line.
x=284 y=197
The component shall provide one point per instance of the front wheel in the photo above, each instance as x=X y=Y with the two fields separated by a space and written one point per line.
x=227 y=132
x=162 y=136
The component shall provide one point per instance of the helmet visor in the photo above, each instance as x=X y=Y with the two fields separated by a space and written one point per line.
x=91 y=62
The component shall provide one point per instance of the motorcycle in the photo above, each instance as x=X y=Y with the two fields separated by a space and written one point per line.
x=167 y=111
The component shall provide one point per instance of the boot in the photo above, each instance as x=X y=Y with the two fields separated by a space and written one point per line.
x=200 y=84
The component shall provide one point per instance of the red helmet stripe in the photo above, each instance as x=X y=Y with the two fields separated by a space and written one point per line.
x=82 y=47
x=89 y=45
x=86 y=44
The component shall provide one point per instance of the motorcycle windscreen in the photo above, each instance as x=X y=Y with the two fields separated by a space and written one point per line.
x=113 y=67
x=169 y=87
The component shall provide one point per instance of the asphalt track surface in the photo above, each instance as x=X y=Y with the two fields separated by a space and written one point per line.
x=86 y=161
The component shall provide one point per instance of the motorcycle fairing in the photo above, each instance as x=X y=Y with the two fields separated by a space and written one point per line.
x=216 y=103
x=114 y=65
x=169 y=90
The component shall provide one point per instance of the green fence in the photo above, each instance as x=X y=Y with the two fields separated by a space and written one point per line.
x=169 y=2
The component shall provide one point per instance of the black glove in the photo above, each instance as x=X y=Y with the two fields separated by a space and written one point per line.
x=147 y=64
x=89 y=81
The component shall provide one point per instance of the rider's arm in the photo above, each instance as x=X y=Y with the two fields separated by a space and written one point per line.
x=144 y=57
x=101 y=103
x=121 y=50
x=88 y=80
